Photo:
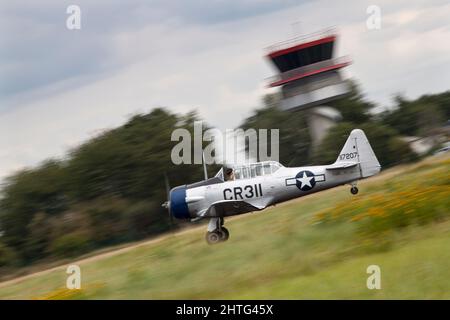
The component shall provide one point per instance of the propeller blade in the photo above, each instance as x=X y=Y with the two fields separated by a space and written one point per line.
x=167 y=203
x=166 y=181
x=205 y=172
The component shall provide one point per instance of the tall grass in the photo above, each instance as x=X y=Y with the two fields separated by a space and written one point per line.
x=418 y=197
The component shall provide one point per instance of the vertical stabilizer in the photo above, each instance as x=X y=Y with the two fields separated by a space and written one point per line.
x=357 y=149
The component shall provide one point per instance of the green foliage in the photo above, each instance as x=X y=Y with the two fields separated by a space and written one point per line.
x=39 y=231
x=108 y=190
x=8 y=258
x=418 y=117
x=294 y=143
x=70 y=245
x=123 y=161
x=28 y=192
x=420 y=197
x=353 y=107
x=141 y=221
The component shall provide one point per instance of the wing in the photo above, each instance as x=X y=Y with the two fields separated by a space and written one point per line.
x=226 y=208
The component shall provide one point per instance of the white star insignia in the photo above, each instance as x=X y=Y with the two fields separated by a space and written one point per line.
x=305 y=181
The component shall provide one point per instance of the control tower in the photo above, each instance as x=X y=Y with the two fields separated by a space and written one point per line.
x=309 y=77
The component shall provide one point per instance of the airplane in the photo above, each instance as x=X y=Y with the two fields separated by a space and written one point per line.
x=256 y=186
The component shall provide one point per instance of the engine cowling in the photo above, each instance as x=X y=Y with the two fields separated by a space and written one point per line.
x=178 y=204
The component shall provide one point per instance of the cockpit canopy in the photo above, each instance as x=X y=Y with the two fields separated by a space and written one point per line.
x=252 y=170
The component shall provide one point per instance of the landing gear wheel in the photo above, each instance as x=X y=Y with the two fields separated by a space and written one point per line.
x=213 y=237
x=224 y=234
x=354 y=190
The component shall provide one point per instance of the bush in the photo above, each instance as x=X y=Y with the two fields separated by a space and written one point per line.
x=38 y=237
x=403 y=202
x=8 y=258
x=70 y=245
x=141 y=221
x=400 y=152
x=107 y=219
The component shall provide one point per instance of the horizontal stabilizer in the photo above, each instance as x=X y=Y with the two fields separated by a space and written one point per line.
x=341 y=165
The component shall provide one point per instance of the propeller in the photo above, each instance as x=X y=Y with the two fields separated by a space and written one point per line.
x=205 y=172
x=166 y=204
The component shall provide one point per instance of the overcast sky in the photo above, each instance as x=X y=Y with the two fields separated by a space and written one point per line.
x=58 y=87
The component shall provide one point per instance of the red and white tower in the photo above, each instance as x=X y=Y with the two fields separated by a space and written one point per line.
x=309 y=77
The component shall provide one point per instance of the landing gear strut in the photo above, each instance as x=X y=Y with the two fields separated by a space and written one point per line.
x=216 y=231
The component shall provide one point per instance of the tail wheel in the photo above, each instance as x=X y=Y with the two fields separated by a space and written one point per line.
x=213 y=237
x=224 y=234
x=354 y=190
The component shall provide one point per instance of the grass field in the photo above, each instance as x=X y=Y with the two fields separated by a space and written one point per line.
x=289 y=251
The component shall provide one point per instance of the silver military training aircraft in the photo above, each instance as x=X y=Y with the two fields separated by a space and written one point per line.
x=256 y=186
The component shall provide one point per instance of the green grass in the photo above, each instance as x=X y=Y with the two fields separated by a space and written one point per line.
x=278 y=253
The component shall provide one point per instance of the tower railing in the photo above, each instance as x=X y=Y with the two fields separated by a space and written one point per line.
x=308 y=69
x=327 y=32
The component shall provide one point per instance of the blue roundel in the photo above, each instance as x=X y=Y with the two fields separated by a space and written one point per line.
x=304 y=180
x=178 y=205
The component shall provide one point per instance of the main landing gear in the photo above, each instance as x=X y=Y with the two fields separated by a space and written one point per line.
x=216 y=231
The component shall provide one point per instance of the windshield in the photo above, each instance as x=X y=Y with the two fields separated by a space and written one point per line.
x=256 y=169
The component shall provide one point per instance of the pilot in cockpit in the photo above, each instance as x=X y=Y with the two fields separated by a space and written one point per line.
x=229 y=174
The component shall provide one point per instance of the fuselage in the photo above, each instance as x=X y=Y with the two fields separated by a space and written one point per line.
x=191 y=201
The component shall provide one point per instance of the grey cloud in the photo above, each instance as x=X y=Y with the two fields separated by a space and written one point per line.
x=36 y=49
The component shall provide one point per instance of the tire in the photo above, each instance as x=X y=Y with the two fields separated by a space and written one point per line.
x=213 y=237
x=224 y=234
x=354 y=190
